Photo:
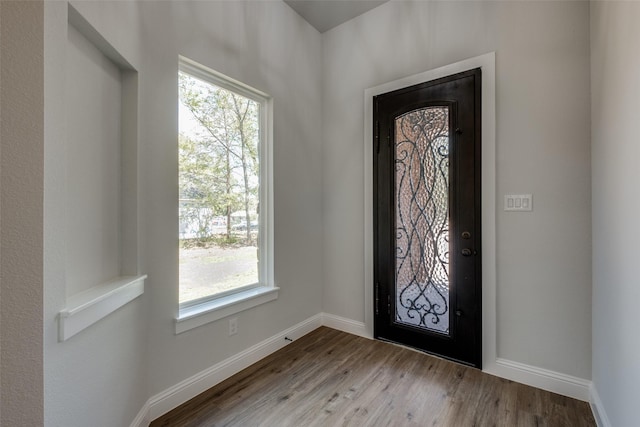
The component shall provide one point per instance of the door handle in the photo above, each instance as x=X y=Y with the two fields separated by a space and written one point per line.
x=467 y=252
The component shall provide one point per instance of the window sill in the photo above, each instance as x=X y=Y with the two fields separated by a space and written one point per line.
x=210 y=311
x=86 y=308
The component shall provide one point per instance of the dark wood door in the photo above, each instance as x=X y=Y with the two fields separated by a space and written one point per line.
x=427 y=217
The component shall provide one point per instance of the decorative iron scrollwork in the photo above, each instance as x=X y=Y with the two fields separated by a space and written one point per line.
x=422 y=218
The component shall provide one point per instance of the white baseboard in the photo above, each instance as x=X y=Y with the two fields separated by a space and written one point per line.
x=142 y=419
x=180 y=393
x=346 y=325
x=544 y=379
x=598 y=409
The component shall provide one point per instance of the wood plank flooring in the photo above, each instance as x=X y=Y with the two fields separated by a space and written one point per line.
x=331 y=378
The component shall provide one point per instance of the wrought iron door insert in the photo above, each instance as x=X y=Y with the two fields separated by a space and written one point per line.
x=422 y=218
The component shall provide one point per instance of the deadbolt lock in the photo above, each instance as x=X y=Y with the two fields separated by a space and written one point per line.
x=466 y=235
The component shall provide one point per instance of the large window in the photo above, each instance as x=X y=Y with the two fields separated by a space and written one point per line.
x=224 y=187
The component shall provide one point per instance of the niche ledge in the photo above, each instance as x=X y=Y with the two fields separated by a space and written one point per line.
x=87 y=307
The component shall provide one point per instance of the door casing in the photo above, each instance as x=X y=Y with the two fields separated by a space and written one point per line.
x=488 y=210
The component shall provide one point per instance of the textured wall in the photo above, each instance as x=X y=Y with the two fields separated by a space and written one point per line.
x=21 y=210
x=615 y=89
x=542 y=147
x=544 y=281
x=134 y=353
x=97 y=377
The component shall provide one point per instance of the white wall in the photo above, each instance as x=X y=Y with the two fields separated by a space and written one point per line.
x=542 y=145
x=93 y=103
x=21 y=210
x=263 y=44
x=269 y=47
x=134 y=353
x=615 y=87
x=544 y=288
x=97 y=377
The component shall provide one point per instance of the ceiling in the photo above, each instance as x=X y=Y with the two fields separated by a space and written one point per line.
x=326 y=14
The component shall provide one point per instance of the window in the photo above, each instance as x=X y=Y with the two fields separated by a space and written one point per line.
x=224 y=205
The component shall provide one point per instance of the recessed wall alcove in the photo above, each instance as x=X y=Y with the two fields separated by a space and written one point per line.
x=101 y=227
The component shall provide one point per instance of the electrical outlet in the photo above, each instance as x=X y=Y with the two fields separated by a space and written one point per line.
x=233 y=326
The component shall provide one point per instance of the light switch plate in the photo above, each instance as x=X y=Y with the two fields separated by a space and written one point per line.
x=518 y=202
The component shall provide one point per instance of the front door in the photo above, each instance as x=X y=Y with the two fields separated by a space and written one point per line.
x=427 y=217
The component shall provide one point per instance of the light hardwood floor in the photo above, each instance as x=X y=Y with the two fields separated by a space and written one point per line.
x=331 y=378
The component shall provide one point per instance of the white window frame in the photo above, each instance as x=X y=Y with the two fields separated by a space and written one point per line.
x=198 y=312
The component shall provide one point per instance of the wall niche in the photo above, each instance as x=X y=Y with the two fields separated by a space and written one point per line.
x=102 y=268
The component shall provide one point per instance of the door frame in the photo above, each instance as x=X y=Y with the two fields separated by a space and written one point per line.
x=486 y=63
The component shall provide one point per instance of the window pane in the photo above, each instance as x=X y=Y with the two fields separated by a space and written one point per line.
x=219 y=133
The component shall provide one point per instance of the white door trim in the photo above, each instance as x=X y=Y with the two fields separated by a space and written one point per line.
x=487 y=64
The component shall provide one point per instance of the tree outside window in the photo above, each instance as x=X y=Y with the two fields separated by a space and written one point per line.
x=219 y=189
